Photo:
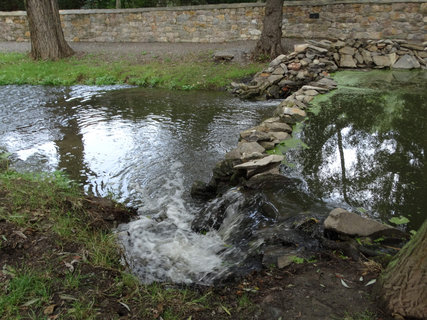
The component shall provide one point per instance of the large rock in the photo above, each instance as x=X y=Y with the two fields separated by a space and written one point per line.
x=244 y=148
x=347 y=61
x=386 y=60
x=406 y=62
x=342 y=221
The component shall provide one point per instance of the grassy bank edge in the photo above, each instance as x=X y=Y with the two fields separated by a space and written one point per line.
x=78 y=273
x=183 y=73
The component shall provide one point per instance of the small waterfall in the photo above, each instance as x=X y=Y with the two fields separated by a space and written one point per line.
x=162 y=244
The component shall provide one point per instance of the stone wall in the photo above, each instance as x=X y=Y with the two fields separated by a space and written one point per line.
x=365 y=19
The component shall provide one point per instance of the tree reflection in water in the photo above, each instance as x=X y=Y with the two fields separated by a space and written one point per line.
x=367 y=147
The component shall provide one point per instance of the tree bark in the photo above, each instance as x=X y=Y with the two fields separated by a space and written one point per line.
x=402 y=287
x=270 y=43
x=47 y=37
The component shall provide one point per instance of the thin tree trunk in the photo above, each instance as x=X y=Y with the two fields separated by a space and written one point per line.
x=118 y=4
x=402 y=288
x=270 y=43
x=47 y=37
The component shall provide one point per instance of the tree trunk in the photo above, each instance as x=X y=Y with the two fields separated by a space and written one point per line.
x=118 y=4
x=402 y=288
x=270 y=43
x=47 y=38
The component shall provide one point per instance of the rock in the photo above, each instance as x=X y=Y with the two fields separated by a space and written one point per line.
x=412 y=46
x=342 y=221
x=267 y=180
x=317 y=49
x=223 y=55
x=258 y=136
x=244 y=147
x=338 y=44
x=300 y=47
x=326 y=83
x=274 y=78
x=264 y=162
x=406 y=62
x=294 y=66
x=358 y=58
x=296 y=114
x=202 y=190
x=279 y=136
x=284 y=261
x=277 y=126
x=347 y=61
x=277 y=61
x=316 y=88
x=385 y=60
x=267 y=145
x=279 y=71
x=347 y=50
x=367 y=56
x=311 y=92
x=251 y=156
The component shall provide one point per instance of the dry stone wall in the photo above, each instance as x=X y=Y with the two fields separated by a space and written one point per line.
x=326 y=19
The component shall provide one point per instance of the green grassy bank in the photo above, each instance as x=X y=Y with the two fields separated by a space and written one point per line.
x=183 y=73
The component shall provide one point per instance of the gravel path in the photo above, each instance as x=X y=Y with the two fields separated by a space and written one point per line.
x=129 y=48
x=154 y=50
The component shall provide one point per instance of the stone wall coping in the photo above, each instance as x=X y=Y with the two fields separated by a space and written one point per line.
x=219 y=6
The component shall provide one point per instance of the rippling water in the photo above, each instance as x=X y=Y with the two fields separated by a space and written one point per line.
x=145 y=147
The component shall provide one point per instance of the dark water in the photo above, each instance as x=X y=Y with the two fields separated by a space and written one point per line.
x=367 y=143
x=366 y=152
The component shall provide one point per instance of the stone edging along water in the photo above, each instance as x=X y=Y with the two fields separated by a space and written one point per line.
x=298 y=76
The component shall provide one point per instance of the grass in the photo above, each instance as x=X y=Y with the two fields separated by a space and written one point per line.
x=77 y=272
x=97 y=69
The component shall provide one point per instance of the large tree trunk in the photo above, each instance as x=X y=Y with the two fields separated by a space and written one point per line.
x=47 y=38
x=270 y=43
x=402 y=288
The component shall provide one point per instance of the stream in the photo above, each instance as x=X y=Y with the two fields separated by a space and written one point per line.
x=363 y=149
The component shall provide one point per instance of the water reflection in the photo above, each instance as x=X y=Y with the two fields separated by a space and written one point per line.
x=112 y=139
x=367 y=146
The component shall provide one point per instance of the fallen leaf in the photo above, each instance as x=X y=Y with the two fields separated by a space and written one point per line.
x=49 y=310
x=226 y=310
x=20 y=234
x=67 y=297
x=371 y=282
x=69 y=266
x=29 y=303
x=344 y=284
x=125 y=305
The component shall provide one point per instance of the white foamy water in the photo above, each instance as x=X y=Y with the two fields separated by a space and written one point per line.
x=160 y=245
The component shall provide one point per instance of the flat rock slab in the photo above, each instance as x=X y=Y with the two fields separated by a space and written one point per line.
x=352 y=224
x=255 y=164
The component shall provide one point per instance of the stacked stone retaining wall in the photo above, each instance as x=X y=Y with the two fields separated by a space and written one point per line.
x=362 y=19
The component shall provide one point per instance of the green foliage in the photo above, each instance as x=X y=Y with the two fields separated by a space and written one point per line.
x=298 y=260
x=399 y=220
